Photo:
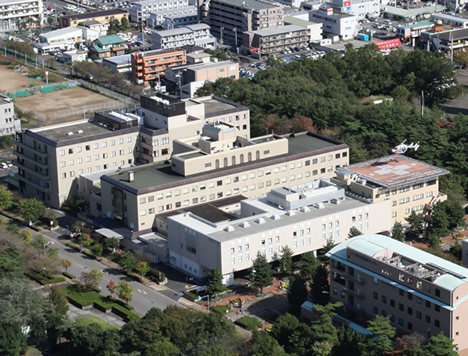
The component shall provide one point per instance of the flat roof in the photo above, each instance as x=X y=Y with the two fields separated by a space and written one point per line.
x=92 y=14
x=393 y=171
x=126 y=58
x=216 y=106
x=253 y=4
x=173 y=32
x=398 y=11
x=57 y=135
x=299 y=22
x=418 y=24
x=201 y=65
x=159 y=176
x=370 y=245
x=450 y=17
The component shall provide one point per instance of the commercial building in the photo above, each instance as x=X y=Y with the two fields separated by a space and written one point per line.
x=102 y=16
x=414 y=30
x=150 y=65
x=14 y=11
x=119 y=64
x=229 y=19
x=99 y=27
x=275 y=40
x=64 y=38
x=9 y=123
x=191 y=77
x=141 y=10
x=75 y=56
x=451 y=20
x=410 y=184
x=446 y=40
x=359 y=8
x=302 y=217
x=422 y=293
x=195 y=35
x=108 y=46
x=336 y=25
x=315 y=29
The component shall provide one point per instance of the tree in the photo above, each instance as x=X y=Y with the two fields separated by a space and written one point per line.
x=398 y=234
x=381 y=341
x=26 y=235
x=50 y=20
x=263 y=344
x=111 y=287
x=320 y=285
x=124 y=291
x=456 y=250
x=66 y=264
x=31 y=209
x=415 y=225
x=447 y=216
x=297 y=294
x=89 y=281
x=142 y=268
x=12 y=340
x=127 y=261
x=322 y=326
x=6 y=198
x=440 y=345
x=262 y=275
x=353 y=232
x=283 y=328
x=124 y=23
x=58 y=299
x=215 y=282
x=97 y=249
x=97 y=274
x=12 y=260
x=111 y=243
x=163 y=348
x=285 y=261
x=309 y=264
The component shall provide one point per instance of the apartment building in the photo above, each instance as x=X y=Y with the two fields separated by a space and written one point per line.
x=12 y=11
x=9 y=123
x=191 y=77
x=119 y=64
x=141 y=10
x=151 y=65
x=183 y=17
x=336 y=25
x=274 y=40
x=315 y=29
x=302 y=217
x=377 y=275
x=102 y=16
x=193 y=35
x=51 y=158
x=410 y=184
x=229 y=19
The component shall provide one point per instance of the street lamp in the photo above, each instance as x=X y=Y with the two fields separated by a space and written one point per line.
x=208 y=300
x=50 y=243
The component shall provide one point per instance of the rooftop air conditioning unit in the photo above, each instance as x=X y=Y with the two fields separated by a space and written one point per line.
x=70 y=133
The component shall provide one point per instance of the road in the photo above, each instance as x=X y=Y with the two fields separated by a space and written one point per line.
x=144 y=298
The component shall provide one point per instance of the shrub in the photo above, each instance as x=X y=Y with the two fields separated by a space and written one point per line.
x=248 y=323
x=55 y=280
x=134 y=276
x=35 y=228
x=120 y=302
x=224 y=309
x=13 y=228
x=81 y=298
x=153 y=275
x=69 y=275
x=89 y=254
x=124 y=312
x=192 y=295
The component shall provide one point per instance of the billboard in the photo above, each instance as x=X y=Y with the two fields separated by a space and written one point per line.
x=347 y=3
x=388 y=43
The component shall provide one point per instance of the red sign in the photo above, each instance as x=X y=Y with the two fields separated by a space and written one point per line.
x=388 y=43
x=253 y=50
x=347 y=3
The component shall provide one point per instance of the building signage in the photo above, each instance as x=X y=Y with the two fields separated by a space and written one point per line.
x=346 y=3
x=393 y=43
x=346 y=9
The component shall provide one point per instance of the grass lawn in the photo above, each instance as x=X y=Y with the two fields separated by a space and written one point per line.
x=32 y=351
x=86 y=320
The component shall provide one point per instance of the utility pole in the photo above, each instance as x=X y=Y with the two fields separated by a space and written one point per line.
x=221 y=40
x=422 y=103
x=451 y=49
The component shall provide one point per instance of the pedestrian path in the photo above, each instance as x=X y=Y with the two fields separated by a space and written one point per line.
x=76 y=313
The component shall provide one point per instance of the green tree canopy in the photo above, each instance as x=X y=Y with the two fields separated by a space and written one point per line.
x=6 y=198
x=353 y=232
x=309 y=264
x=125 y=291
x=297 y=294
x=285 y=260
x=127 y=261
x=320 y=285
x=261 y=273
x=31 y=209
x=215 y=282
x=398 y=234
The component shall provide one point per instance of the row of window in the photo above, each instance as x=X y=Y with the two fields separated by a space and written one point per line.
x=415 y=186
x=408 y=210
x=415 y=197
x=401 y=321
x=63 y=175
x=96 y=157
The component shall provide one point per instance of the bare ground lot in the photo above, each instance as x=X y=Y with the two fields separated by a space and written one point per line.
x=62 y=100
x=10 y=80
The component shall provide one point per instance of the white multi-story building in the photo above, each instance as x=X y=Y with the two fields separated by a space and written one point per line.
x=196 y=35
x=141 y=10
x=336 y=25
x=12 y=11
x=303 y=218
x=359 y=8
x=9 y=124
x=173 y=18
x=64 y=38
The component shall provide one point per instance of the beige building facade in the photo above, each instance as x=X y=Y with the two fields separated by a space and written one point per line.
x=302 y=217
x=410 y=184
x=377 y=275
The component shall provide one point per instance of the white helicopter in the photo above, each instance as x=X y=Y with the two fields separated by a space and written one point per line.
x=403 y=147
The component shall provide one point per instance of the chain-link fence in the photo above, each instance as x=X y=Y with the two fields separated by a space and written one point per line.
x=123 y=98
x=38 y=63
x=85 y=110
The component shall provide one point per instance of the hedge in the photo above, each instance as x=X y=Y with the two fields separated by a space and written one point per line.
x=120 y=302
x=82 y=298
x=224 y=309
x=72 y=245
x=134 y=276
x=124 y=312
x=55 y=280
x=36 y=228
x=153 y=275
x=69 y=275
x=248 y=323
x=89 y=254
x=103 y=305
x=192 y=295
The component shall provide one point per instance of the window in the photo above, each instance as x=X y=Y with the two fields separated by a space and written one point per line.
x=88 y=159
x=121 y=141
x=428 y=304
x=437 y=292
x=375 y=295
x=78 y=149
x=401 y=292
x=401 y=307
x=104 y=144
x=410 y=326
x=410 y=296
x=62 y=152
x=436 y=308
x=410 y=311
x=63 y=164
x=418 y=315
x=129 y=139
x=375 y=310
x=96 y=146
x=384 y=299
x=64 y=175
x=96 y=157
x=428 y=319
x=112 y=142
x=401 y=322
x=392 y=303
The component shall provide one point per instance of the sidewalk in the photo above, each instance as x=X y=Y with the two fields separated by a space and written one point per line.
x=76 y=313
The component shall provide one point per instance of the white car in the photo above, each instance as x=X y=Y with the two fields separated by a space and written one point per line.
x=3 y=165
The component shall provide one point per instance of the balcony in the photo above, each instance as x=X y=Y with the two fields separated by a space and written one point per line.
x=356 y=293
x=21 y=165
x=355 y=279
x=23 y=146
x=355 y=308
x=40 y=164
x=34 y=184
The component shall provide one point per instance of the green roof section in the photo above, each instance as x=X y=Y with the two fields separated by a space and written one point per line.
x=99 y=49
x=417 y=24
x=294 y=21
x=110 y=40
